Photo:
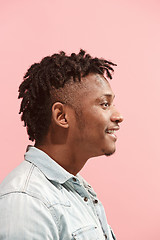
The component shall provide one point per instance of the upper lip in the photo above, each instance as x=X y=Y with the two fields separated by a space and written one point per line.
x=116 y=128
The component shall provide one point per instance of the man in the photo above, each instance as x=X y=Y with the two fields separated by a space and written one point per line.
x=67 y=107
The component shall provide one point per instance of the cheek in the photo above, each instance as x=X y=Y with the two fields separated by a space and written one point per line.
x=97 y=123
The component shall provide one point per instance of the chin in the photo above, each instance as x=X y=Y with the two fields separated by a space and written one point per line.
x=109 y=152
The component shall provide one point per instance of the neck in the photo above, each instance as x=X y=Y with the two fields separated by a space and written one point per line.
x=68 y=157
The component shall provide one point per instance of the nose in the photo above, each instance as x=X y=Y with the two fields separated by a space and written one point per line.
x=116 y=116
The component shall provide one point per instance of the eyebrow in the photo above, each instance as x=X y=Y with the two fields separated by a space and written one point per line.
x=108 y=95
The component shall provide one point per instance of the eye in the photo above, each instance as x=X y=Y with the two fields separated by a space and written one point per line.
x=105 y=105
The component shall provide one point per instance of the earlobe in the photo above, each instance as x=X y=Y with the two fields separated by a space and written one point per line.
x=59 y=115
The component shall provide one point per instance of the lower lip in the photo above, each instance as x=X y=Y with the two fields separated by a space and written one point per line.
x=113 y=136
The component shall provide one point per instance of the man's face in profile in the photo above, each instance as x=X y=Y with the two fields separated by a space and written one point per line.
x=97 y=118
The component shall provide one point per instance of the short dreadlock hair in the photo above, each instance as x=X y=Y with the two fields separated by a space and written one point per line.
x=41 y=79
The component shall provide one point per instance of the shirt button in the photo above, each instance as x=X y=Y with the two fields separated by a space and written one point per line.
x=74 y=179
x=85 y=199
x=95 y=201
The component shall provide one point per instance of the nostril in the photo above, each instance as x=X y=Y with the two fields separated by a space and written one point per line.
x=117 y=119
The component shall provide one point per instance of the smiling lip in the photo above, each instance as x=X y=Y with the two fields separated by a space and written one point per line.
x=111 y=133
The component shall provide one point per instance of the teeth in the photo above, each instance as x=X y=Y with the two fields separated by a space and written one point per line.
x=110 y=131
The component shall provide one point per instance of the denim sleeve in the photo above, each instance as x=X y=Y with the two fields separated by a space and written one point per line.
x=23 y=217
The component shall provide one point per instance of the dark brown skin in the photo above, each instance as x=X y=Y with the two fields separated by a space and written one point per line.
x=74 y=138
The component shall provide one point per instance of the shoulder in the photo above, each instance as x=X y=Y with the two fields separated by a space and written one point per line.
x=25 y=200
x=28 y=179
x=15 y=180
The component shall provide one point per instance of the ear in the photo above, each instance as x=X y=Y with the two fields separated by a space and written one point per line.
x=59 y=114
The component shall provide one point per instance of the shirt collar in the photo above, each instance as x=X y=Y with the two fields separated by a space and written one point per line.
x=51 y=169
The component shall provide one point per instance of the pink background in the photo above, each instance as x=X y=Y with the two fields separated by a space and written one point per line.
x=126 y=32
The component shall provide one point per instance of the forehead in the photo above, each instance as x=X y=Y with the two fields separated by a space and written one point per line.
x=95 y=85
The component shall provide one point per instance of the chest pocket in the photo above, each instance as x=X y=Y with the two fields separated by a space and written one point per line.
x=86 y=233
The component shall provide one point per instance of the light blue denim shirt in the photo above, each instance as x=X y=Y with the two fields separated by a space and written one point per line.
x=39 y=200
